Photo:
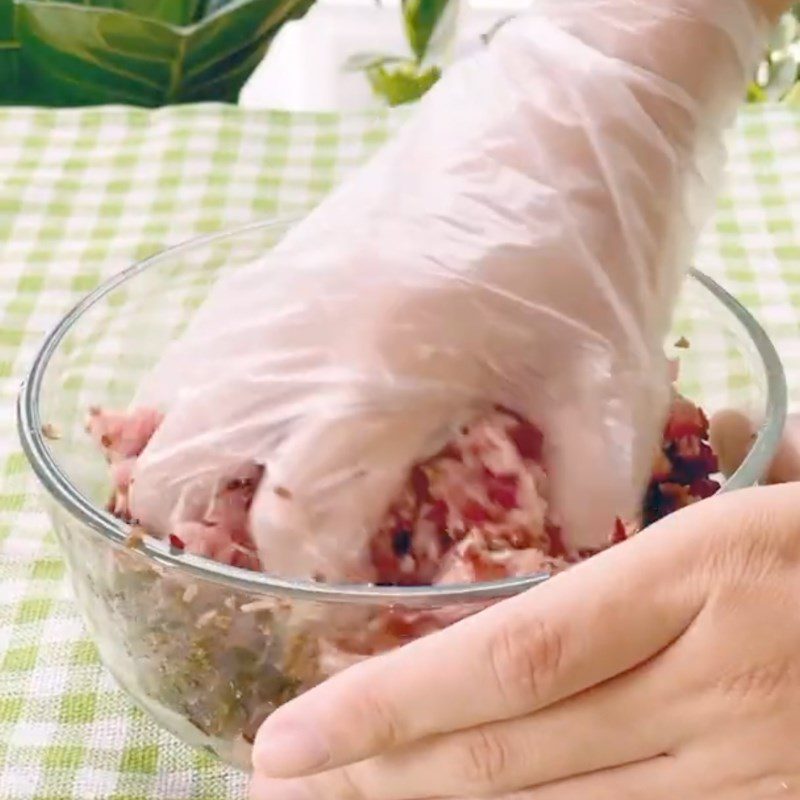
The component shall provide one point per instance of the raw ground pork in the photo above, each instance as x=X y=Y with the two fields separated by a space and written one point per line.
x=478 y=510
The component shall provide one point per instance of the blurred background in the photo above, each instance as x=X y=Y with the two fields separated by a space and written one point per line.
x=291 y=54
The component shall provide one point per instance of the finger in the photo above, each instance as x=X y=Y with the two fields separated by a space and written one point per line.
x=786 y=464
x=207 y=439
x=583 y=627
x=630 y=719
x=732 y=434
x=657 y=779
x=330 y=481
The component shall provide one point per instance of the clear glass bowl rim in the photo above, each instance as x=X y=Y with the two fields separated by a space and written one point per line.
x=61 y=489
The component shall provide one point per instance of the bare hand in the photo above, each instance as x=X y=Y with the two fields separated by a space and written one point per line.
x=667 y=667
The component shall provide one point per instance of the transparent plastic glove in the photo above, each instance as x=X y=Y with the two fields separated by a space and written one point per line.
x=521 y=242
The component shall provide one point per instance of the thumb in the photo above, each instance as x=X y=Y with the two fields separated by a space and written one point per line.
x=732 y=434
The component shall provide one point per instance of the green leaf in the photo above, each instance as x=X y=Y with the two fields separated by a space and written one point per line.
x=365 y=61
x=778 y=73
x=793 y=97
x=420 y=18
x=174 y=12
x=9 y=53
x=755 y=94
x=404 y=84
x=169 y=51
x=6 y=21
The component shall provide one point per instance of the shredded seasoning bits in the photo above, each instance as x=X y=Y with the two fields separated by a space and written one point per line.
x=135 y=536
x=51 y=431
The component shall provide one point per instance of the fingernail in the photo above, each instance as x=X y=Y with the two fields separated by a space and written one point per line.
x=289 y=750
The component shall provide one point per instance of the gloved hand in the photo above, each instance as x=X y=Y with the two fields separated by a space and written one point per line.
x=520 y=243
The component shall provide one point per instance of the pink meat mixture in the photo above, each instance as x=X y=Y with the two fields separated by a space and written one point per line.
x=478 y=510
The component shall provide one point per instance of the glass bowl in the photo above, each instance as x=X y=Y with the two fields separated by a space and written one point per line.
x=210 y=650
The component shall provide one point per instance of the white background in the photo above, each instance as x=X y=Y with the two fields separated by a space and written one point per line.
x=303 y=69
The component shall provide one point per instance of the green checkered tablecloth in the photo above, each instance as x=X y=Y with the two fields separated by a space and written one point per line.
x=83 y=194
